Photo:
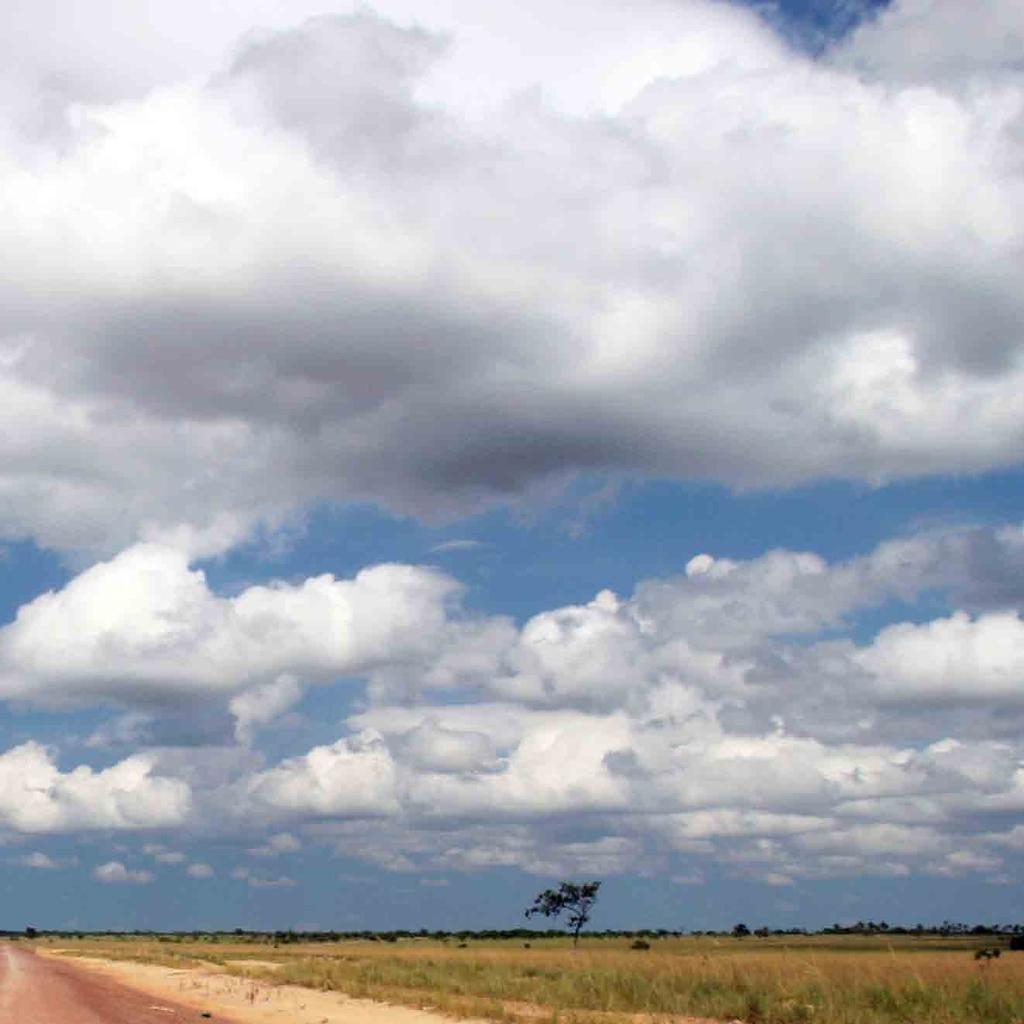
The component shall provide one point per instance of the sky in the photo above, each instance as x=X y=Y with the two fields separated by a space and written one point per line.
x=451 y=447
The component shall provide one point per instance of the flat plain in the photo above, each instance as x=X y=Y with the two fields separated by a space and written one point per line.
x=775 y=980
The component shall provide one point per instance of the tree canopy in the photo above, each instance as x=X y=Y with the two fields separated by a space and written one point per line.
x=577 y=898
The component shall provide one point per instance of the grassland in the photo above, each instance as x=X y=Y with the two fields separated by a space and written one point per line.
x=826 y=980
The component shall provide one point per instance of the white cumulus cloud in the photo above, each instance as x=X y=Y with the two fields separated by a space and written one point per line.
x=36 y=797
x=144 y=627
x=115 y=873
x=958 y=659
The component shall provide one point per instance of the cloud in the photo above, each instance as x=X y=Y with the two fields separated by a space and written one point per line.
x=353 y=777
x=145 y=628
x=959 y=660
x=464 y=311
x=115 y=873
x=200 y=870
x=692 y=878
x=434 y=747
x=964 y=862
x=282 y=882
x=300 y=267
x=35 y=797
x=40 y=861
x=283 y=842
x=261 y=705
x=170 y=857
x=491 y=48
x=936 y=41
x=457 y=545
x=697 y=719
x=735 y=712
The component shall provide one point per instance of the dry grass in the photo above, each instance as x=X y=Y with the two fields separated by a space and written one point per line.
x=837 y=981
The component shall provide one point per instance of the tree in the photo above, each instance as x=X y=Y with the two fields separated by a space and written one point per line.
x=578 y=898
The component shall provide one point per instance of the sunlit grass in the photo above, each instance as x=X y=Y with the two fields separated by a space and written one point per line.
x=776 y=981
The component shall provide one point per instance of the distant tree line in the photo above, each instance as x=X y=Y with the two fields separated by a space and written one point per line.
x=945 y=930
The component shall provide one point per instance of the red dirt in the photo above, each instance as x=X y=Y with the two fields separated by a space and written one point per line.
x=39 y=990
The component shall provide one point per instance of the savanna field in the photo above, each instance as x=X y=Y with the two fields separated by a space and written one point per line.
x=776 y=980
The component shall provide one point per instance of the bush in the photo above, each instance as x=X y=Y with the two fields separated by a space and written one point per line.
x=640 y=944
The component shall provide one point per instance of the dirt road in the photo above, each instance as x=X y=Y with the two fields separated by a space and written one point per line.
x=47 y=989
x=39 y=990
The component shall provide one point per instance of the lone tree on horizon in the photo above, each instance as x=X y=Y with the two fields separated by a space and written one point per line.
x=578 y=898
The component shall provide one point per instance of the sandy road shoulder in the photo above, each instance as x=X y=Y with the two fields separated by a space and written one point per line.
x=241 y=1000
x=248 y=1001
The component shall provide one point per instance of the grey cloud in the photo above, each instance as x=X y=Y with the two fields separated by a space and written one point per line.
x=938 y=40
x=346 y=83
x=301 y=281
x=432 y=746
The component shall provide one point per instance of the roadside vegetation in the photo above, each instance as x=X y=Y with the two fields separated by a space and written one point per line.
x=780 y=978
